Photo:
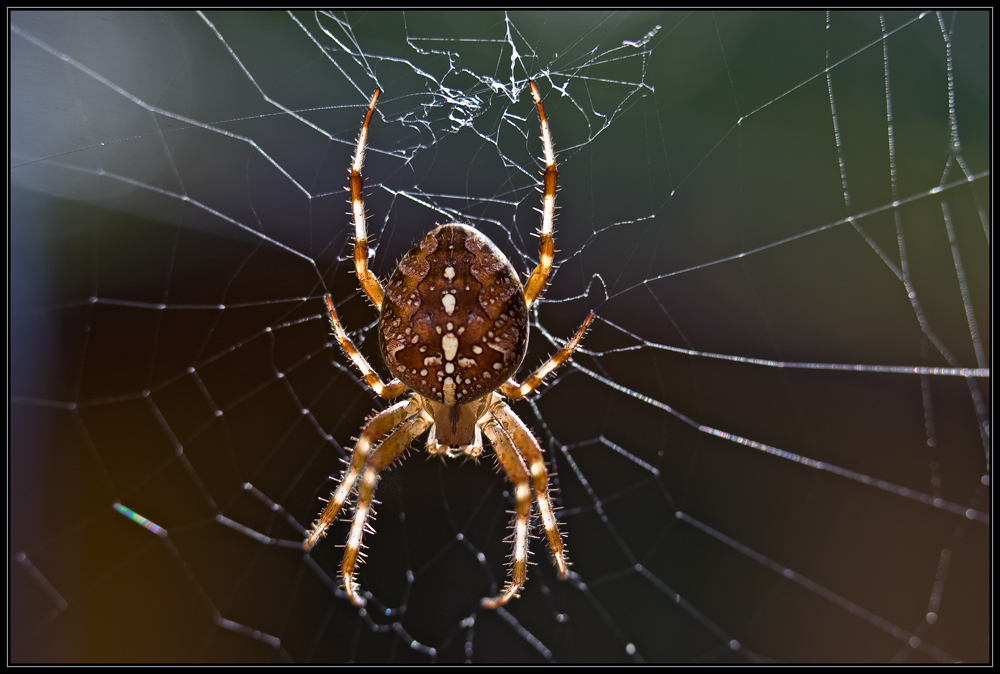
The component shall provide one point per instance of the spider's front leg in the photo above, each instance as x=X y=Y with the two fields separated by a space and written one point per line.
x=546 y=241
x=392 y=389
x=368 y=280
x=378 y=426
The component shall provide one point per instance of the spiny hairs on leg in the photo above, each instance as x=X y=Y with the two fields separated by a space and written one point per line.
x=514 y=391
x=517 y=435
x=379 y=425
x=385 y=454
x=517 y=473
x=369 y=282
x=393 y=389
x=546 y=241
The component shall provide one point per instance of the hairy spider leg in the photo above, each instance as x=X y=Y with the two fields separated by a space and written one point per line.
x=385 y=454
x=368 y=280
x=513 y=390
x=546 y=242
x=513 y=465
x=391 y=390
x=530 y=451
x=377 y=427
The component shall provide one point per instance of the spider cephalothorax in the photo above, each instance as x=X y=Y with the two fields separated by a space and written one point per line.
x=453 y=329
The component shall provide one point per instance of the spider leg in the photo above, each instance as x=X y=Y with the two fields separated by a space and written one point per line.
x=368 y=280
x=392 y=389
x=525 y=443
x=514 y=466
x=378 y=426
x=385 y=454
x=546 y=242
x=513 y=390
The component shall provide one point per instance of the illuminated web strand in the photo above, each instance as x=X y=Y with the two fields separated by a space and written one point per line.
x=926 y=499
x=335 y=587
x=911 y=293
x=788 y=92
x=219 y=620
x=811 y=585
x=42 y=582
x=140 y=520
x=271 y=640
x=841 y=61
x=702 y=619
x=934 y=601
x=250 y=77
x=152 y=108
x=628 y=455
x=256 y=535
x=904 y=260
x=953 y=119
x=186 y=307
x=847 y=367
x=523 y=632
x=956 y=144
x=39 y=402
x=605 y=616
x=938 y=189
x=598 y=506
x=109 y=400
x=194 y=202
x=836 y=124
x=325 y=53
x=841 y=161
x=963 y=285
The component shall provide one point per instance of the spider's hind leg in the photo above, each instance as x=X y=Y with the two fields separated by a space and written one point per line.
x=378 y=426
x=391 y=448
x=516 y=471
x=528 y=449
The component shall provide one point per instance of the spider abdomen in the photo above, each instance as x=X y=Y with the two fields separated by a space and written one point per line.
x=454 y=320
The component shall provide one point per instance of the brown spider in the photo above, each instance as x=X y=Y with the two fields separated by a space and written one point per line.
x=454 y=329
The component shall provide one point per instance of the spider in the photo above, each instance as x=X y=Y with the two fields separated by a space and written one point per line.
x=453 y=329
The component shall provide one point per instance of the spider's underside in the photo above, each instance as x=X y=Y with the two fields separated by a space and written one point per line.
x=453 y=329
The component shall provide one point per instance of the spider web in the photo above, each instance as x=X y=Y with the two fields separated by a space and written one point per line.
x=774 y=444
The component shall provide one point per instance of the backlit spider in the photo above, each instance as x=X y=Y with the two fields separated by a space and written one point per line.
x=453 y=329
